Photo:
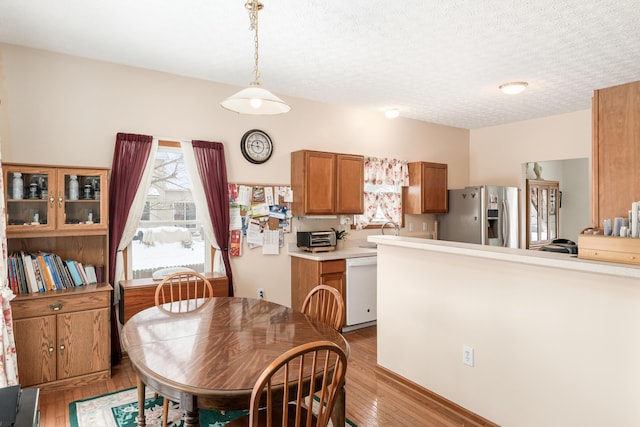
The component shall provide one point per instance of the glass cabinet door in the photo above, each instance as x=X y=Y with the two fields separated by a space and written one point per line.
x=29 y=201
x=80 y=199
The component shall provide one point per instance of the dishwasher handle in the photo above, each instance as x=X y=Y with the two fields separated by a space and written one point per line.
x=357 y=262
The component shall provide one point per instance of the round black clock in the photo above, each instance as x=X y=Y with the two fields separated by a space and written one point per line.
x=256 y=146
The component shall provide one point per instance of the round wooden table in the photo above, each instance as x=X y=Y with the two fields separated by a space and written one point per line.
x=211 y=358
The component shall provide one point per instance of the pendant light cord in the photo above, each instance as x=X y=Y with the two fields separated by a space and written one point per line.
x=254 y=6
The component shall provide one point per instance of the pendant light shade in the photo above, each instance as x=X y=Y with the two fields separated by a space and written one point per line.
x=255 y=100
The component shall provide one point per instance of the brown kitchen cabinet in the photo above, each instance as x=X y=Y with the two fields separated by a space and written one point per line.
x=307 y=274
x=616 y=150
x=427 y=191
x=63 y=338
x=327 y=183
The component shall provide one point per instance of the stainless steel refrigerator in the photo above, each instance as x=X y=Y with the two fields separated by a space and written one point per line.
x=487 y=215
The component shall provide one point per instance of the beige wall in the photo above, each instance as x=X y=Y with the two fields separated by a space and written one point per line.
x=552 y=347
x=58 y=109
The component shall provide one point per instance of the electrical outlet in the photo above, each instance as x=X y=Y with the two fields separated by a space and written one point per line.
x=411 y=227
x=260 y=293
x=467 y=355
x=425 y=226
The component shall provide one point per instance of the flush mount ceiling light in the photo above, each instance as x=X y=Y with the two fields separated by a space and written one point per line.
x=513 y=88
x=392 y=113
x=255 y=99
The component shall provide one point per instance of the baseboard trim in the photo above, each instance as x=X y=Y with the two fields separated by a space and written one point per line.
x=444 y=402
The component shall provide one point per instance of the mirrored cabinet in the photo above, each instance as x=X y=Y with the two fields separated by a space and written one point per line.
x=543 y=217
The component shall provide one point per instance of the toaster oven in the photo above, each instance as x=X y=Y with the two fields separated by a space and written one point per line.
x=316 y=240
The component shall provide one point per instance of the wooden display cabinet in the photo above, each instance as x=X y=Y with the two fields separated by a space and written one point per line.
x=63 y=337
x=327 y=183
x=307 y=274
x=47 y=203
x=427 y=191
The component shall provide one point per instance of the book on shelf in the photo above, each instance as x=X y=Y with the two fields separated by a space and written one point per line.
x=39 y=277
x=46 y=273
x=90 y=271
x=71 y=266
x=30 y=272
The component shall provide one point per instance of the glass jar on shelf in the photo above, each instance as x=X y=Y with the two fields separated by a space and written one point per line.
x=74 y=188
x=17 y=187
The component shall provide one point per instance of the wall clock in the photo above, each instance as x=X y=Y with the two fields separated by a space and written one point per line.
x=256 y=146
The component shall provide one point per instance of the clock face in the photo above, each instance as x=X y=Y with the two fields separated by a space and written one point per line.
x=256 y=146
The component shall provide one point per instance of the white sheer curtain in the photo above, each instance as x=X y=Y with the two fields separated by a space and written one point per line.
x=8 y=360
x=134 y=217
x=201 y=203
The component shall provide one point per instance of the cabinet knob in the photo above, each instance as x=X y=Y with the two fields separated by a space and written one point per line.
x=60 y=199
x=50 y=349
x=61 y=347
x=52 y=201
x=56 y=306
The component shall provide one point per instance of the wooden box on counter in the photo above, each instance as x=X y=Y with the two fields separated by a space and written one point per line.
x=609 y=248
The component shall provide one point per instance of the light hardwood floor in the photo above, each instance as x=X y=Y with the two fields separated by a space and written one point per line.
x=374 y=398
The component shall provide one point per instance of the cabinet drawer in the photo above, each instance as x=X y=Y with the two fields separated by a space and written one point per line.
x=610 y=256
x=57 y=304
x=333 y=266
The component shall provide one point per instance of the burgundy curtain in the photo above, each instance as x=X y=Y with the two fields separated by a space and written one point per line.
x=213 y=172
x=129 y=160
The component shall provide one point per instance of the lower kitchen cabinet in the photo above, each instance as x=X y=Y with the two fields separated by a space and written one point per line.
x=307 y=274
x=63 y=338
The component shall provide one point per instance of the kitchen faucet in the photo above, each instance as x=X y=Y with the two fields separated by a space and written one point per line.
x=395 y=226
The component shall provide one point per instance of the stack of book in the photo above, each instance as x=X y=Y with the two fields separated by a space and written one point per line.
x=40 y=272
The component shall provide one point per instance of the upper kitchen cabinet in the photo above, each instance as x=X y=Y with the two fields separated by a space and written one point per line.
x=427 y=191
x=327 y=183
x=616 y=151
x=46 y=199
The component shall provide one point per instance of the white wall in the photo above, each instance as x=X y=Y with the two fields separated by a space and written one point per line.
x=63 y=110
x=552 y=347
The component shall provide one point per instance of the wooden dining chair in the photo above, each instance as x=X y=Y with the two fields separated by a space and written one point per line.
x=325 y=304
x=186 y=291
x=316 y=368
x=189 y=288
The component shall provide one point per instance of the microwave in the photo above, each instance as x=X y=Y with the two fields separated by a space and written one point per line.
x=316 y=239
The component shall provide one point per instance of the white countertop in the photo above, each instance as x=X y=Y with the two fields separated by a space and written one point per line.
x=548 y=259
x=352 y=252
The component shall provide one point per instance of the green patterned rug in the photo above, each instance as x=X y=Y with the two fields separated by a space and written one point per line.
x=120 y=409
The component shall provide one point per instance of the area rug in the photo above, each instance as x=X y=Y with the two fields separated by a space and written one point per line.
x=120 y=409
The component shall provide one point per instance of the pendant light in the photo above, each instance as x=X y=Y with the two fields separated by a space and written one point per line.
x=255 y=99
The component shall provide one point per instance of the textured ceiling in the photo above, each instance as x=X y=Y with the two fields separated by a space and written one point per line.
x=439 y=61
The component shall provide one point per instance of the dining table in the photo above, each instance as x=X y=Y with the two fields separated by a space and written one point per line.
x=212 y=356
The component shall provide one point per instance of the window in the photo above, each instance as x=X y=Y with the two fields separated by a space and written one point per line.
x=383 y=182
x=170 y=231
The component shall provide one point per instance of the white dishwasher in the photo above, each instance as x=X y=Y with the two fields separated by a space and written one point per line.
x=361 y=292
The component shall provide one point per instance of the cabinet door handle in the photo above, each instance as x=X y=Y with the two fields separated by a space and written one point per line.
x=52 y=201
x=56 y=306
x=60 y=199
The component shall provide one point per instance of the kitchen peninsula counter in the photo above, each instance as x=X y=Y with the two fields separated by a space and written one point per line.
x=554 y=338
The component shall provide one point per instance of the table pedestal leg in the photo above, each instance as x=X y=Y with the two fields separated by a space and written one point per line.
x=191 y=414
x=141 y=420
